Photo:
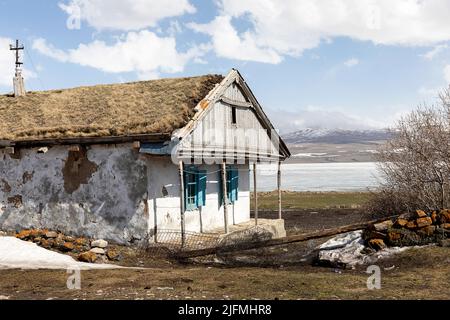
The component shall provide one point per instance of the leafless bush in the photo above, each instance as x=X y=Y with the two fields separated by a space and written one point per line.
x=416 y=161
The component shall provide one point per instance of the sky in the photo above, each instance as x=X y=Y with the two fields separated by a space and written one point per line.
x=347 y=64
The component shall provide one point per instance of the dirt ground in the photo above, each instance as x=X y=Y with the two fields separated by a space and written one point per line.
x=283 y=273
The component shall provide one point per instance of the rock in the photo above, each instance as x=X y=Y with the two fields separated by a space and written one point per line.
x=401 y=222
x=377 y=244
x=69 y=239
x=37 y=233
x=24 y=235
x=427 y=231
x=411 y=225
x=434 y=217
x=113 y=255
x=394 y=236
x=423 y=222
x=51 y=234
x=421 y=214
x=445 y=243
x=81 y=242
x=444 y=216
x=445 y=226
x=37 y=240
x=45 y=244
x=97 y=250
x=67 y=246
x=383 y=226
x=99 y=243
x=90 y=257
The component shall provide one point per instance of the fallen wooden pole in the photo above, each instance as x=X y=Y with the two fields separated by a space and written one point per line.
x=281 y=241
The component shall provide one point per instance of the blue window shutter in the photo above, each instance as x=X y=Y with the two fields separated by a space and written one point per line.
x=235 y=184
x=190 y=188
x=201 y=188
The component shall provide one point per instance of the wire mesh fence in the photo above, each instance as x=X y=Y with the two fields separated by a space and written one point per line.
x=170 y=243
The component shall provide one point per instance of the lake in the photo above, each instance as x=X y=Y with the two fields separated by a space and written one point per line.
x=358 y=176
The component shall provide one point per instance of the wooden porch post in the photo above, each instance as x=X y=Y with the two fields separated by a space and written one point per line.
x=225 y=195
x=182 y=208
x=279 y=190
x=255 y=193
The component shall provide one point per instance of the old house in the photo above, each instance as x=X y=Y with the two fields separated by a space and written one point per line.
x=123 y=161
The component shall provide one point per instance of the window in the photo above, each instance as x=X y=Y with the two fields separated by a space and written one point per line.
x=232 y=185
x=233 y=115
x=194 y=188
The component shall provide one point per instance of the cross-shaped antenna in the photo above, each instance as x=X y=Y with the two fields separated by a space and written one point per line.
x=17 y=48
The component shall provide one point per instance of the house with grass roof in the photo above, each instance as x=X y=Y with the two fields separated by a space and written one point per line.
x=124 y=161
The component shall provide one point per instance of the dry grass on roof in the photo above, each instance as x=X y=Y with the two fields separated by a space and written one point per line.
x=147 y=107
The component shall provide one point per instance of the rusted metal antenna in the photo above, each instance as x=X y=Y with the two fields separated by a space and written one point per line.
x=17 y=48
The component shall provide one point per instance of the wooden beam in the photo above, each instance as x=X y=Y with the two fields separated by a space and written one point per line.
x=255 y=193
x=235 y=103
x=157 y=137
x=75 y=148
x=280 y=216
x=225 y=196
x=281 y=241
x=136 y=145
x=10 y=150
x=182 y=208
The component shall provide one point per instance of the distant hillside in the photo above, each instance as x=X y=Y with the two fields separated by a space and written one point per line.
x=336 y=136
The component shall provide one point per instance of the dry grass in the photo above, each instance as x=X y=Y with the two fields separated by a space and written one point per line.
x=158 y=106
x=418 y=274
x=312 y=200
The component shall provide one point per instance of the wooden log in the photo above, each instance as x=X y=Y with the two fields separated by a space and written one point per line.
x=281 y=241
x=255 y=193
x=225 y=196
x=280 y=216
x=182 y=208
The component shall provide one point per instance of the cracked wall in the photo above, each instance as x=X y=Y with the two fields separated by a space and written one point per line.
x=99 y=192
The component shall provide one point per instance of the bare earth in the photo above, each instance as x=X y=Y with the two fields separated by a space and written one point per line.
x=422 y=273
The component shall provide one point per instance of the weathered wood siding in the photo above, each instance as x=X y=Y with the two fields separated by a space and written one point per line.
x=216 y=132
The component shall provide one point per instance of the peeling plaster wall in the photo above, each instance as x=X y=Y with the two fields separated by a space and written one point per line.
x=165 y=209
x=108 y=192
x=101 y=193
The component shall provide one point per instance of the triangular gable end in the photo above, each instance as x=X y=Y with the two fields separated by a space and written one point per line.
x=230 y=121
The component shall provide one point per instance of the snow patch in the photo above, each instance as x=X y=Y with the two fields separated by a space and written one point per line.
x=18 y=254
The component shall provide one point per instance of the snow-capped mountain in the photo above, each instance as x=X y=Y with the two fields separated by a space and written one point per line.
x=336 y=136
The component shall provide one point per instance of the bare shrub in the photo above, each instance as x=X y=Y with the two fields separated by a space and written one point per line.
x=416 y=161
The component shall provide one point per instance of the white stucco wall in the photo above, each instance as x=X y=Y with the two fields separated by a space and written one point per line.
x=165 y=211
x=112 y=193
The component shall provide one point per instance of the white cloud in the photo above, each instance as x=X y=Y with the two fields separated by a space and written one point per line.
x=228 y=43
x=125 y=14
x=7 y=65
x=287 y=28
x=142 y=52
x=435 y=51
x=447 y=73
x=351 y=62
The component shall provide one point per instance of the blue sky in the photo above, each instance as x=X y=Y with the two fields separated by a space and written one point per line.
x=329 y=63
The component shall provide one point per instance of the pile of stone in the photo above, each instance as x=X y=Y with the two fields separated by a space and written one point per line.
x=86 y=250
x=409 y=229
